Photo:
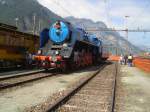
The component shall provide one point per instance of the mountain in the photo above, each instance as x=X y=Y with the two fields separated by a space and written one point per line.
x=144 y=48
x=109 y=38
x=23 y=13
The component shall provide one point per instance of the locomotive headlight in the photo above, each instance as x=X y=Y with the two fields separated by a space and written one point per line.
x=64 y=45
x=39 y=51
x=57 y=52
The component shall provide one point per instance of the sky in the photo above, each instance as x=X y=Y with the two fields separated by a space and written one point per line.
x=112 y=12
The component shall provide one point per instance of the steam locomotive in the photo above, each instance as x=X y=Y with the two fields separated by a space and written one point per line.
x=66 y=47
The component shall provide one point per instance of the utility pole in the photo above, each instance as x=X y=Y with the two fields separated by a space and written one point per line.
x=34 y=28
x=16 y=21
x=34 y=19
x=39 y=25
x=126 y=27
x=107 y=11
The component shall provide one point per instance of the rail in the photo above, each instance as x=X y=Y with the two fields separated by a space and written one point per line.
x=9 y=82
x=64 y=99
x=60 y=102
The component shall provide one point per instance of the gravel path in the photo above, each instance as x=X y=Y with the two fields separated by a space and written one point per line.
x=36 y=93
x=134 y=91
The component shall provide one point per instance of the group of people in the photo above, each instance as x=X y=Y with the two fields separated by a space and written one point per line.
x=126 y=59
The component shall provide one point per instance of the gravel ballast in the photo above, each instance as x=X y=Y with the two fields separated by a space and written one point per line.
x=22 y=98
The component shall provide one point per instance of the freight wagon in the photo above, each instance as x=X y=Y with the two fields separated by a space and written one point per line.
x=14 y=46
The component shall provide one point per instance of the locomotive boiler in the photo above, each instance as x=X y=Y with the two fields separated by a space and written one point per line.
x=66 y=47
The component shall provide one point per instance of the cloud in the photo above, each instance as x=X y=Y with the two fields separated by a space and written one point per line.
x=113 y=13
x=138 y=16
x=97 y=10
x=78 y=8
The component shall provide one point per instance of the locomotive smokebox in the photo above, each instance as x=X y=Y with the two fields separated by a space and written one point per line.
x=59 y=32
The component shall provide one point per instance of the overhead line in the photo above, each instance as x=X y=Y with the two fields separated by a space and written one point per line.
x=124 y=30
x=68 y=12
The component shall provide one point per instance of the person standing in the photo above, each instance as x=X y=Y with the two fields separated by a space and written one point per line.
x=125 y=59
x=130 y=60
x=121 y=59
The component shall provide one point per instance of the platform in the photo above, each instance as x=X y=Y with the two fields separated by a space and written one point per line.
x=135 y=90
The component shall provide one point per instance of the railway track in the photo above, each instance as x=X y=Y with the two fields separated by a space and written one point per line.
x=10 y=75
x=17 y=80
x=95 y=94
